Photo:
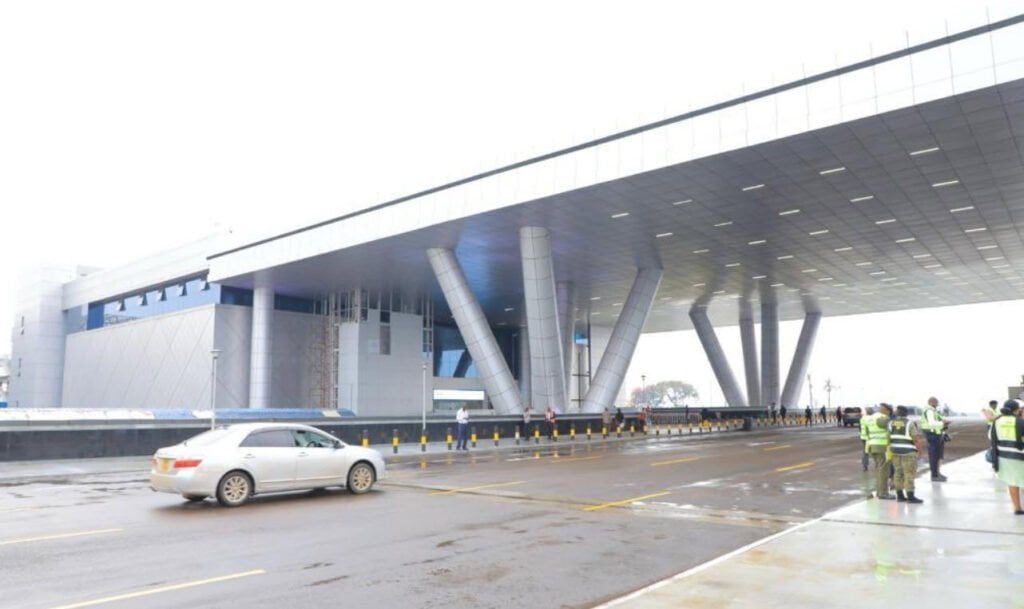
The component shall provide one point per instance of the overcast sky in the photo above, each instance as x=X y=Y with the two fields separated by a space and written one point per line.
x=130 y=127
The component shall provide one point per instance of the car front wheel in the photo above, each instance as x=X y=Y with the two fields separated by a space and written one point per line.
x=360 y=478
x=234 y=489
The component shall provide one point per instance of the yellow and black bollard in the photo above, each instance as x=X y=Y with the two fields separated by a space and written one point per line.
x=632 y=428
x=517 y=435
x=572 y=432
x=536 y=435
x=604 y=431
x=554 y=433
x=472 y=436
x=496 y=436
x=618 y=431
x=365 y=441
x=588 y=432
x=449 y=433
x=394 y=441
x=423 y=441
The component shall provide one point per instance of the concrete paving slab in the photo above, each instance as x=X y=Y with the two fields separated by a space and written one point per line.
x=962 y=548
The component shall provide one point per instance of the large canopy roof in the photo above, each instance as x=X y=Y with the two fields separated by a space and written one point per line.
x=887 y=185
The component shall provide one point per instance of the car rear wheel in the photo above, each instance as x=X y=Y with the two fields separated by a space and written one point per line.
x=360 y=478
x=194 y=498
x=234 y=489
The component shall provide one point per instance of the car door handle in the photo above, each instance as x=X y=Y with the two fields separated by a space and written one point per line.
x=303 y=454
x=250 y=456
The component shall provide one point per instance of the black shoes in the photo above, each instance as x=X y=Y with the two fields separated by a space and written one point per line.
x=901 y=497
x=912 y=499
x=939 y=478
x=887 y=497
x=1018 y=512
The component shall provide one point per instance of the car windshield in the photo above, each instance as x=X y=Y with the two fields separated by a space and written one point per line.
x=206 y=438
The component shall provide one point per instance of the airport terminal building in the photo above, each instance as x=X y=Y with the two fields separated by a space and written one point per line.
x=892 y=183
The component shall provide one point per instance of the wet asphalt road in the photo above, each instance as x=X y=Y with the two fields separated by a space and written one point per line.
x=533 y=529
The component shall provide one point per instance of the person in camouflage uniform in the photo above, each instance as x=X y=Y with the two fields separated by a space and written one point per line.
x=905 y=444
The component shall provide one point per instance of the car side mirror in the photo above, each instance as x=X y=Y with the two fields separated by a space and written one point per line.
x=338 y=445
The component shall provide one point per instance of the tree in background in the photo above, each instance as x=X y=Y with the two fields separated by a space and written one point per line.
x=666 y=394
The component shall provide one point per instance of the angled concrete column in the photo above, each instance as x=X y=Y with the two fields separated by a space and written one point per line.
x=769 y=350
x=607 y=381
x=716 y=357
x=490 y=363
x=462 y=366
x=525 y=388
x=546 y=360
x=262 y=345
x=801 y=359
x=567 y=325
x=749 y=340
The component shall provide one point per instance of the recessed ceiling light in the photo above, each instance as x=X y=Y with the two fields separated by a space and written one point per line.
x=666 y=298
x=862 y=198
x=719 y=292
x=721 y=224
x=975 y=230
x=621 y=214
x=994 y=258
x=507 y=309
x=888 y=221
x=596 y=313
x=777 y=285
x=662 y=235
x=826 y=172
x=789 y=212
x=946 y=183
x=757 y=242
x=922 y=256
x=888 y=279
x=957 y=210
x=595 y=298
x=877 y=273
x=754 y=187
x=809 y=271
x=732 y=264
x=839 y=285
x=701 y=251
x=932 y=266
x=897 y=283
x=786 y=257
x=683 y=202
x=843 y=249
x=1000 y=266
x=815 y=233
x=924 y=151
x=941 y=273
x=824 y=279
x=699 y=285
x=616 y=304
x=864 y=263
x=756 y=277
x=987 y=247
x=906 y=240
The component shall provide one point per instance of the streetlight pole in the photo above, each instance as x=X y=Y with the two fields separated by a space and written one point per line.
x=643 y=389
x=214 y=354
x=424 y=421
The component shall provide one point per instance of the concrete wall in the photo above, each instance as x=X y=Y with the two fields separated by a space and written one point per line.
x=37 y=339
x=375 y=384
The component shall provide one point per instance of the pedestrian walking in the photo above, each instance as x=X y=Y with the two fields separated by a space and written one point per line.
x=823 y=414
x=606 y=420
x=864 y=417
x=878 y=448
x=905 y=444
x=461 y=428
x=619 y=418
x=782 y=413
x=527 y=414
x=808 y=416
x=773 y=413
x=839 y=416
x=550 y=419
x=1007 y=442
x=935 y=433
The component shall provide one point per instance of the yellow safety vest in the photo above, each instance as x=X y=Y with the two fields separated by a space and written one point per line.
x=1005 y=428
x=877 y=435
x=901 y=442
x=932 y=420
x=864 y=426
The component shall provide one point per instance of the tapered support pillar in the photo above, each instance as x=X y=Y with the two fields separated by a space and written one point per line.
x=525 y=388
x=490 y=363
x=261 y=346
x=769 y=350
x=546 y=360
x=567 y=325
x=749 y=340
x=801 y=359
x=614 y=363
x=716 y=357
x=462 y=366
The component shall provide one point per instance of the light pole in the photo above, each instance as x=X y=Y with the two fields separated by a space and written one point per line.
x=424 y=421
x=214 y=354
x=643 y=388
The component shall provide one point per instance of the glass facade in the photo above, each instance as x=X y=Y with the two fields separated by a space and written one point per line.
x=452 y=359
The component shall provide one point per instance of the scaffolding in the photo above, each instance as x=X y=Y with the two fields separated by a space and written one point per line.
x=324 y=351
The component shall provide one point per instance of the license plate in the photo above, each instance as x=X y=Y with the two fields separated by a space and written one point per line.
x=164 y=465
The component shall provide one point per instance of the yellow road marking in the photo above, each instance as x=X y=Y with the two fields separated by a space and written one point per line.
x=452 y=491
x=565 y=459
x=182 y=586
x=797 y=466
x=58 y=536
x=601 y=506
x=674 y=461
x=778 y=447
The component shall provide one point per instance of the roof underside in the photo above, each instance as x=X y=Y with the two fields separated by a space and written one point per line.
x=925 y=211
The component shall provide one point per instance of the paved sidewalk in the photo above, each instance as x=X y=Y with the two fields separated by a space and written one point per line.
x=963 y=548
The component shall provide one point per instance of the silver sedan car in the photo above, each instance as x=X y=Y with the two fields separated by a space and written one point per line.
x=237 y=462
